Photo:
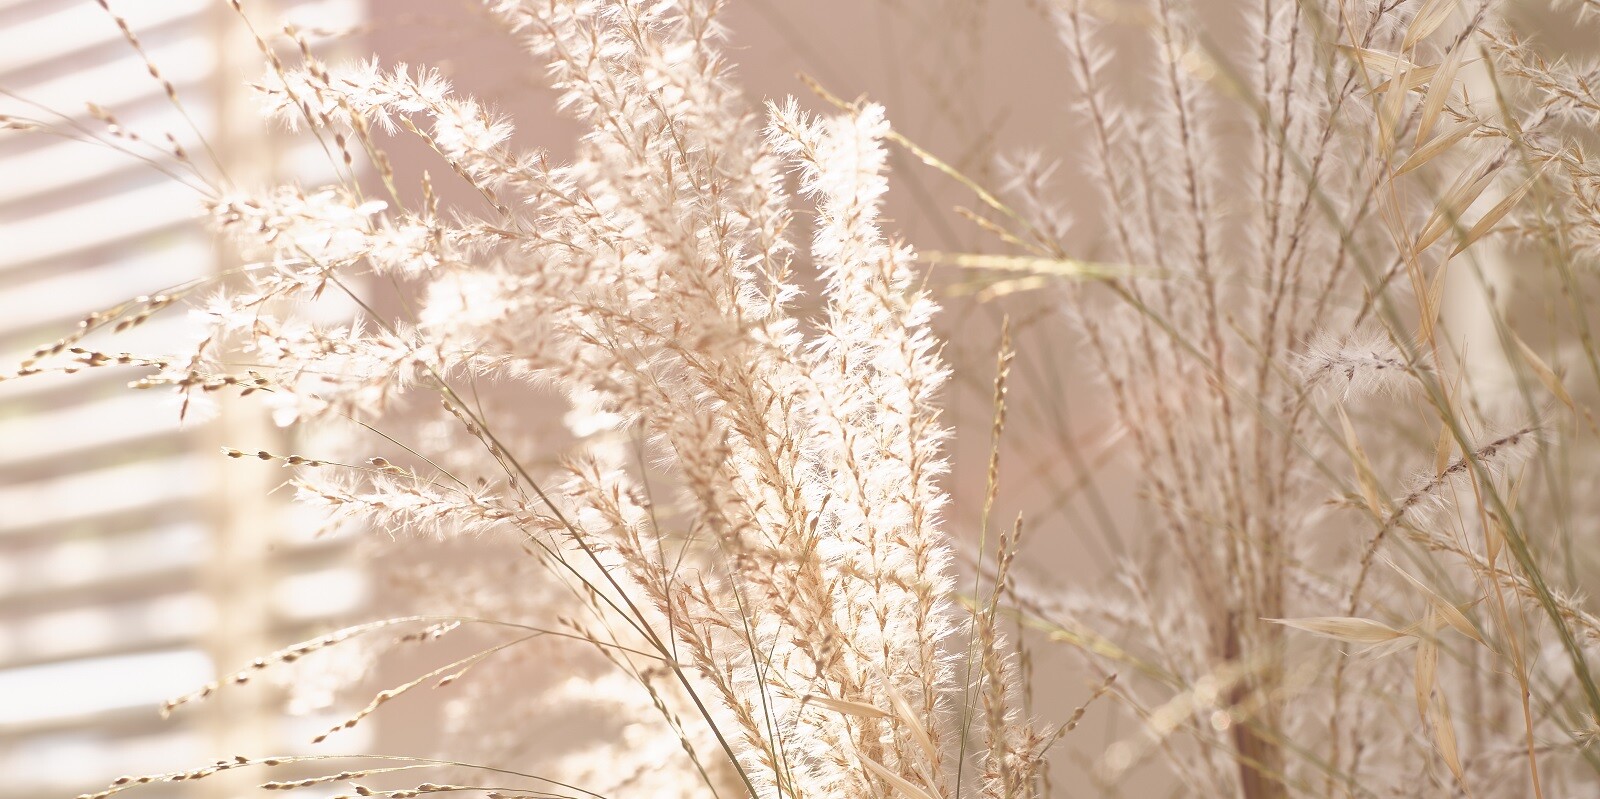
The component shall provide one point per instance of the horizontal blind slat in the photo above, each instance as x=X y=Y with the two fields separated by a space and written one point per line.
x=95 y=223
x=102 y=492
x=40 y=39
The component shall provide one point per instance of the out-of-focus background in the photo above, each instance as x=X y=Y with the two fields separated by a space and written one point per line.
x=132 y=566
x=136 y=563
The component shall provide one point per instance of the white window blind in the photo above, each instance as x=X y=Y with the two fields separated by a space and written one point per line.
x=136 y=563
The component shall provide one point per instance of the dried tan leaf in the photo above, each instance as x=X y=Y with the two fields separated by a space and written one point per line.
x=900 y=783
x=1390 y=112
x=1001 y=288
x=1443 y=608
x=1364 y=474
x=1377 y=60
x=1432 y=301
x=1428 y=19
x=845 y=706
x=1431 y=232
x=1427 y=665
x=1439 y=91
x=1345 y=628
x=908 y=717
x=1493 y=540
x=1433 y=149
x=1498 y=212
x=1066 y=268
x=1387 y=648
x=1420 y=77
x=1444 y=738
x=1453 y=203
x=1413 y=78
x=1542 y=370
x=1443 y=448
x=1494 y=534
